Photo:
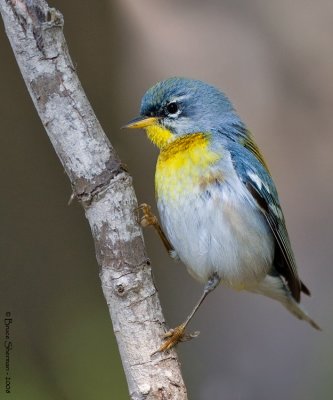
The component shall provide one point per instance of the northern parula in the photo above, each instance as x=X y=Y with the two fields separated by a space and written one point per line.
x=217 y=201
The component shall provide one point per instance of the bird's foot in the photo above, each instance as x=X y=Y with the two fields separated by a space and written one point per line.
x=148 y=218
x=176 y=335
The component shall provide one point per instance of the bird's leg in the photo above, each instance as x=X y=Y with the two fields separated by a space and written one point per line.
x=176 y=335
x=149 y=219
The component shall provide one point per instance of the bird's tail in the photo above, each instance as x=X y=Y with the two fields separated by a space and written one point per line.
x=299 y=312
x=275 y=288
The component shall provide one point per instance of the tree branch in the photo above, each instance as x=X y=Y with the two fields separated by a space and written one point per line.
x=105 y=191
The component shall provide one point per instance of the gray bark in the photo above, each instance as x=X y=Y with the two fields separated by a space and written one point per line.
x=105 y=191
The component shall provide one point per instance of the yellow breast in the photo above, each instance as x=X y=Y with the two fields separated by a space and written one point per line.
x=183 y=165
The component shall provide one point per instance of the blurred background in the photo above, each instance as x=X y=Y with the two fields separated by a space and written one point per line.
x=275 y=61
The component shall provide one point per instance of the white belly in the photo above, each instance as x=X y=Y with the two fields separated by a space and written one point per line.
x=219 y=231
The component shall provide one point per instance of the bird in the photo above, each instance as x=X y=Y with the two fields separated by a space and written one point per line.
x=218 y=205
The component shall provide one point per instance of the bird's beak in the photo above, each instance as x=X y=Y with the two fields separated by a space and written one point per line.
x=141 y=122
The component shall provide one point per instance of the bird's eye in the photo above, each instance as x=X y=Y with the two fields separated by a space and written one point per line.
x=172 y=108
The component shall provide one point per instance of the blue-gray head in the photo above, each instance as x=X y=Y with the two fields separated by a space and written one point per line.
x=183 y=106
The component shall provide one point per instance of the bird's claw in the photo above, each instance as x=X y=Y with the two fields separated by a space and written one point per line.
x=148 y=218
x=175 y=336
x=71 y=199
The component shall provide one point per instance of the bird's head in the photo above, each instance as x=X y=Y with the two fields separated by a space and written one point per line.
x=180 y=106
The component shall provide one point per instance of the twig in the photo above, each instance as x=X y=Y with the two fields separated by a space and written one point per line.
x=105 y=191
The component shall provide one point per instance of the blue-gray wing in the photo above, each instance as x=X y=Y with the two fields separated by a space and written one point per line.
x=259 y=183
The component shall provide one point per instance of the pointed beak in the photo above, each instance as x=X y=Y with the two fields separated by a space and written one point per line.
x=141 y=122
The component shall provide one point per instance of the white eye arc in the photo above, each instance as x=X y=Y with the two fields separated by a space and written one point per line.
x=175 y=106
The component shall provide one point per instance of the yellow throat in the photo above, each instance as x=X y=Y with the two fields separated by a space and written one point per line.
x=183 y=162
x=159 y=135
